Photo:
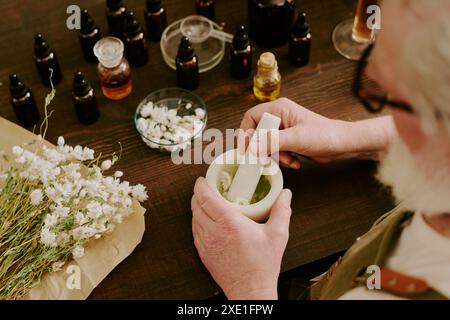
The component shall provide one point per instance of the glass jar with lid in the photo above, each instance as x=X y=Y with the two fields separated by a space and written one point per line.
x=113 y=69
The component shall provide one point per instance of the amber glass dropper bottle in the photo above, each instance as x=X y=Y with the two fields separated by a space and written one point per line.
x=45 y=60
x=84 y=100
x=23 y=102
x=206 y=8
x=115 y=15
x=187 y=66
x=155 y=19
x=300 y=42
x=89 y=35
x=135 y=43
x=241 y=52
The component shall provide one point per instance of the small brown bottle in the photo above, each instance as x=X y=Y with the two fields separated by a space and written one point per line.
x=187 y=66
x=84 y=100
x=241 y=52
x=89 y=35
x=45 y=60
x=115 y=15
x=23 y=102
x=206 y=8
x=135 y=43
x=155 y=19
x=113 y=69
x=300 y=42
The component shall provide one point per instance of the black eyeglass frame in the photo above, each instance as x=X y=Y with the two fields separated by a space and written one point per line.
x=372 y=102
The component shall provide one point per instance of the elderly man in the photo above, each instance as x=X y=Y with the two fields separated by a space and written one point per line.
x=411 y=64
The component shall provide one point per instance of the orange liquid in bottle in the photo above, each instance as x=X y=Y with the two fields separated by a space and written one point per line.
x=117 y=90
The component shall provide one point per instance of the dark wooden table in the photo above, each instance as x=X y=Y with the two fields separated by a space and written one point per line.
x=332 y=204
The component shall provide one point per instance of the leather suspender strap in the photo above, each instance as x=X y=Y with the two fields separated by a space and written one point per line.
x=406 y=286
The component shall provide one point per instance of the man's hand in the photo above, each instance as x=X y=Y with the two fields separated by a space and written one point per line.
x=244 y=257
x=322 y=139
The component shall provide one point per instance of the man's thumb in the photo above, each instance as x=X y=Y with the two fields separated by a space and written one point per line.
x=280 y=214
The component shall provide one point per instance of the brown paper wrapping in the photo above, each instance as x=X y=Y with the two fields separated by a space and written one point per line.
x=101 y=256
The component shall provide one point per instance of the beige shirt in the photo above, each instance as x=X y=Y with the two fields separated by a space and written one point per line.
x=421 y=252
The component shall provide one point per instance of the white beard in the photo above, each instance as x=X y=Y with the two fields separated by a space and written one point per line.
x=419 y=183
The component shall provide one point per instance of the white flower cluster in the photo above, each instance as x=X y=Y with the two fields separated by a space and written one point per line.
x=80 y=204
x=163 y=128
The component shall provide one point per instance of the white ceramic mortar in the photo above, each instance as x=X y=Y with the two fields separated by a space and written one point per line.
x=259 y=211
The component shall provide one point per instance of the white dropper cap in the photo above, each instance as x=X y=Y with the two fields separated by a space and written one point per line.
x=248 y=174
x=109 y=51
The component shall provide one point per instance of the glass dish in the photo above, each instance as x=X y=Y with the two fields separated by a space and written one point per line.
x=172 y=98
x=210 y=52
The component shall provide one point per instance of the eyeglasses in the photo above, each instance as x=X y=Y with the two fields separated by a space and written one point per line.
x=374 y=99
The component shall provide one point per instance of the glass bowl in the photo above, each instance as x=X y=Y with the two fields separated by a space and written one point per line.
x=172 y=98
x=210 y=52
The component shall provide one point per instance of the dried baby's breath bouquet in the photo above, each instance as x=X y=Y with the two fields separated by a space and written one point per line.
x=53 y=201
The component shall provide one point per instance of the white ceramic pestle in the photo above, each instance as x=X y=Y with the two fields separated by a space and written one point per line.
x=249 y=172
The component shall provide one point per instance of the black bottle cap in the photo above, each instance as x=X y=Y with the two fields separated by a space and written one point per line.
x=81 y=85
x=301 y=27
x=16 y=87
x=87 y=23
x=114 y=4
x=240 y=40
x=132 y=26
x=153 y=5
x=41 y=47
x=185 y=50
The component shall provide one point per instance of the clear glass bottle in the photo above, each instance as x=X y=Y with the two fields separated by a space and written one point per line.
x=113 y=69
x=267 y=81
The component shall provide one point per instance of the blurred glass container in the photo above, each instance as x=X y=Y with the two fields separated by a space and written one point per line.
x=270 y=21
x=210 y=51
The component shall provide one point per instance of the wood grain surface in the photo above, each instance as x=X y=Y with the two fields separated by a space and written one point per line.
x=332 y=204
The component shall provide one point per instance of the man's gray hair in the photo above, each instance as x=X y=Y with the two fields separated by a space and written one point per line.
x=425 y=63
